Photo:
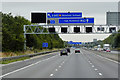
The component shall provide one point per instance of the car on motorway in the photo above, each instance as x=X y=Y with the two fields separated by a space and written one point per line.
x=99 y=49
x=108 y=50
x=68 y=50
x=64 y=52
x=77 y=50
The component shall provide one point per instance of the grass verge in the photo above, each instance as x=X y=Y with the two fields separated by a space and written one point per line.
x=13 y=60
x=10 y=54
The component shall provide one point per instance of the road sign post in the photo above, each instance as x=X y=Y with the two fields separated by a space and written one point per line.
x=24 y=37
x=45 y=45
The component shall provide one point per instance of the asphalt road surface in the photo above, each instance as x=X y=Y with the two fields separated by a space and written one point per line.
x=115 y=52
x=80 y=65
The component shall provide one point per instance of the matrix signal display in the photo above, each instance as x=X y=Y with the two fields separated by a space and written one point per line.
x=88 y=29
x=112 y=29
x=64 y=29
x=38 y=17
x=76 y=29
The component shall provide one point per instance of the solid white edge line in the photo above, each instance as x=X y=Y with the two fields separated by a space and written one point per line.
x=107 y=59
x=25 y=67
x=27 y=59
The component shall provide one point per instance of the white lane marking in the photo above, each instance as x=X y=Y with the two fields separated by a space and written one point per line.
x=90 y=63
x=108 y=59
x=27 y=59
x=56 y=69
x=59 y=66
x=96 y=69
x=63 y=62
x=100 y=74
x=25 y=67
x=93 y=66
x=51 y=74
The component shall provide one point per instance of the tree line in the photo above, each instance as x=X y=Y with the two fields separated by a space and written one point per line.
x=114 y=40
x=13 y=38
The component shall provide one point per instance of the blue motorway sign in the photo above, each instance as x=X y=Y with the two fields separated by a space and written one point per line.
x=74 y=42
x=64 y=15
x=81 y=20
x=52 y=21
x=44 y=44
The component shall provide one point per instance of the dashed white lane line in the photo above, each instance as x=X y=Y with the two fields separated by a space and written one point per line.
x=93 y=66
x=100 y=74
x=25 y=67
x=51 y=74
x=96 y=69
x=59 y=66
x=56 y=69
x=90 y=63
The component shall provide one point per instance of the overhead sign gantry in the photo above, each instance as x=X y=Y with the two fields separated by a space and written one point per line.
x=65 y=22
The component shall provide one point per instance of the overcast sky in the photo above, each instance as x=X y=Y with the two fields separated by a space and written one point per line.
x=89 y=9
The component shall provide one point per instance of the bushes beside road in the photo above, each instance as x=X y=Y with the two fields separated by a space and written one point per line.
x=13 y=38
x=114 y=40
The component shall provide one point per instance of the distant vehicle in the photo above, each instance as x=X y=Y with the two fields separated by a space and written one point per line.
x=99 y=46
x=64 y=52
x=99 y=49
x=95 y=48
x=68 y=50
x=77 y=50
x=106 y=46
x=90 y=48
x=108 y=50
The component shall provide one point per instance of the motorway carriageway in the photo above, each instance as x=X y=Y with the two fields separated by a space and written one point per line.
x=81 y=65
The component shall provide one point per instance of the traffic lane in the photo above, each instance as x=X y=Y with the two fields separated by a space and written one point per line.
x=115 y=52
x=76 y=66
x=43 y=69
x=19 y=64
x=108 y=68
